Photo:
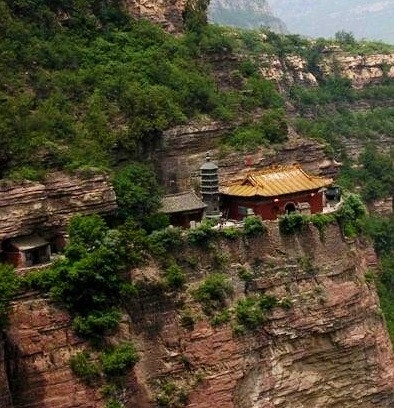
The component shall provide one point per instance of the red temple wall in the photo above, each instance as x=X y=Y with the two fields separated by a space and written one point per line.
x=15 y=258
x=268 y=209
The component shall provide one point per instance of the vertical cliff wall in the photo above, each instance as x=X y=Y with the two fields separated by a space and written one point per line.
x=329 y=349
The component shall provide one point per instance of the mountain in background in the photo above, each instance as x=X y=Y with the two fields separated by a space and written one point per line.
x=246 y=14
x=371 y=19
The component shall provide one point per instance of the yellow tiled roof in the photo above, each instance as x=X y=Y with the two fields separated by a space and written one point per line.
x=275 y=181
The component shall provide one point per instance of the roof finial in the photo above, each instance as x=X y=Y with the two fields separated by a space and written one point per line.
x=208 y=156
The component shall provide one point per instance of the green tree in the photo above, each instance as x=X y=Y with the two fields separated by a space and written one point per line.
x=137 y=191
x=9 y=284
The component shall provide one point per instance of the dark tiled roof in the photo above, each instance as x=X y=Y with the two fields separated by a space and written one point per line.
x=28 y=242
x=181 y=202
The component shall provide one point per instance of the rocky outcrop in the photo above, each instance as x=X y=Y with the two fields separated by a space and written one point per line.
x=328 y=349
x=184 y=148
x=167 y=13
x=30 y=207
x=361 y=70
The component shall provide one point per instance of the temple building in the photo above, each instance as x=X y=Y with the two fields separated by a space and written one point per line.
x=183 y=208
x=273 y=192
x=28 y=251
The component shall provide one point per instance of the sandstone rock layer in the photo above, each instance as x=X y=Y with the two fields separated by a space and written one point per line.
x=35 y=207
x=330 y=349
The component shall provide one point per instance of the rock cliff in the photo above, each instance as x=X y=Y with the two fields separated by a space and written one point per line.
x=329 y=349
x=30 y=207
x=361 y=70
x=167 y=13
x=184 y=148
x=245 y=13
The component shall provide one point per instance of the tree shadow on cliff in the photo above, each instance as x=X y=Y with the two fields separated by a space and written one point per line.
x=27 y=384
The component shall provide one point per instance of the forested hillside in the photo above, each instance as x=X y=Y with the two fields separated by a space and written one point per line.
x=86 y=88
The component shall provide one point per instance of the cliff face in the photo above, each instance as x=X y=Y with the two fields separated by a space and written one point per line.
x=330 y=349
x=31 y=207
x=167 y=13
x=245 y=13
x=184 y=148
x=361 y=70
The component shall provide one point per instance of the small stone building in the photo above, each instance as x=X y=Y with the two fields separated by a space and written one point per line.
x=27 y=251
x=273 y=192
x=182 y=208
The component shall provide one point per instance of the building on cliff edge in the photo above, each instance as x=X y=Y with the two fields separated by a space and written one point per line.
x=272 y=192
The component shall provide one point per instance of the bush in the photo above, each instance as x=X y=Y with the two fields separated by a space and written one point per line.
x=175 y=277
x=267 y=302
x=230 y=233
x=253 y=226
x=202 y=235
x=292 y=223
x=249 y=313
x=350 y=215
x=213 y=292
x=321 y=221
x=9 y=284
x=119 y=360
x=221 y=318
x=97 y=324
x=84 y=368
x=165 y=240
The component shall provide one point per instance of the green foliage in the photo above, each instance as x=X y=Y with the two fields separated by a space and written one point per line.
x=117 y=361
x=292 y=223
x=135 y=242
x=249 y=314
x=137 y=191
x=261 y=93
x=78 y=90
x=251 y=311
x=9 y=284
x=244 y=274
x=88 y=281
x=333 y=89
x=214 y=291
x=344 y=37
x=175 y=277
x=113 y=403
x=321 y=221
x=381 y=230
x=271 y=128
x=96 y=324
x=165 y=240
x=373 y=175
x=350 y=214
x=231 y=233
x=195 y=15
x=171 y=395
x=82 y=366
x=221 y=317
x=362 y=125
x=87 y=232
x=253 y=226
x=202 y=235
